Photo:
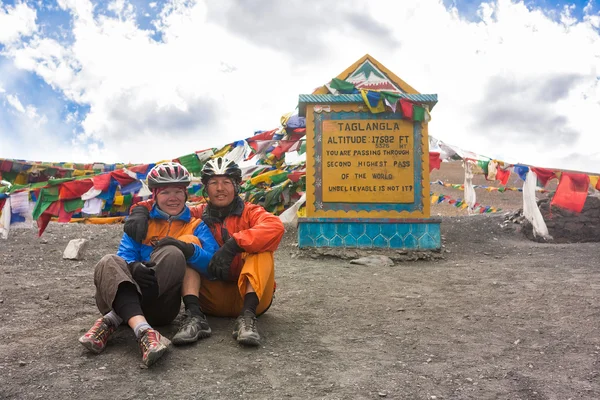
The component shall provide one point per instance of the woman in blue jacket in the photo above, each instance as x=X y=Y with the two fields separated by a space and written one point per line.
x=141 y=284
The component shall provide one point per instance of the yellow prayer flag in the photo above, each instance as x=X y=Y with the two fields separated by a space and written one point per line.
x=375 y=110
x=224 y=150
x=265 y=177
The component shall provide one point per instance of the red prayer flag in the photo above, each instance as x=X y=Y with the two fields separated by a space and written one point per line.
x=42 y=223
x=502 y=175
x=544 y=175
x=142 y=169
x=296 y=175
x=44 y=219
x=571 y=192
x=102 y=182
x=283 y=147
x=407 y=108
x=262 y=136
x=121 y=177
x=6 y=166
x=434 y=160
x=74 y=189
x=64 y=216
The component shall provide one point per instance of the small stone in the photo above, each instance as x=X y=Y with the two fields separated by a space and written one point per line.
x=382 y=394
x=22 y=363
x=517 y=341
x=46 y=296
x=401 y=309
x=373 y=261
x=1 y=301
x=75 y=249
x=102 y=368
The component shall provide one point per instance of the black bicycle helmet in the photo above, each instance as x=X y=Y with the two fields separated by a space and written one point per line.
x=168 y=174
x=221 y=166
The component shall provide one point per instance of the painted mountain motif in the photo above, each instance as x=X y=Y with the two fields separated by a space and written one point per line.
x=367 y=76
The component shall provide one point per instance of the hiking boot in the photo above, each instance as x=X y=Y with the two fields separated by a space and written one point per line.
x=153 y=346
x=245 y=331
x=95 y=339
x=193 y=327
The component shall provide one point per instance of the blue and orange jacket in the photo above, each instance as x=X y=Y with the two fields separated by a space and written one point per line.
x=161 y=226
x=254 y=229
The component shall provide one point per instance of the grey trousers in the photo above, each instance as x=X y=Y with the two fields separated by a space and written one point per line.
x=112 y=271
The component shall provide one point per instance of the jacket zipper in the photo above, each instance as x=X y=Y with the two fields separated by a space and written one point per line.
x=169 y=226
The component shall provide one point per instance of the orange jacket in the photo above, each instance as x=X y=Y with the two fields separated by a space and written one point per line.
x=256 y=230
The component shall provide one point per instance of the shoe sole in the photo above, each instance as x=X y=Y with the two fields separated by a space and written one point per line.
x=248 y=341
x=91 y=346
x=201 y=335
x=155 y=355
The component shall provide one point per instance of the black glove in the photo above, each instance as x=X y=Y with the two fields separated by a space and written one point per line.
x=220 y=263
x=143 y=273
x=186 y=248
x=136 y=225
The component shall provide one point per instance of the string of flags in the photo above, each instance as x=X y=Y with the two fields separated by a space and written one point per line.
x=39 y=191
x=462 y=204
x=501 y=189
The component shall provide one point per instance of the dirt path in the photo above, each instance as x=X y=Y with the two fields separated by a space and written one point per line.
x=498 y=317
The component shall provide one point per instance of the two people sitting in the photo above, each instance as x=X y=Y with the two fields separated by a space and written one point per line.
x=217 y=257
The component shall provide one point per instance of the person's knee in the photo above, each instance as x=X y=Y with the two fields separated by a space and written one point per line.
x=171 y=253
x=107 y=262
x=108 y=259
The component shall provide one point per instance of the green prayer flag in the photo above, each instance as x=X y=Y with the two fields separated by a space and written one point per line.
x=127 y=199
x=302 y=148
x=16 y=187
x=418 y=113
x=46 y=198
x=38 y=185
x=73 y=205
x=342 y=86
x=272 y=197
x=391 y=97
x=484 y=166
x=191 y=162
x=279 y=177
x=54 y=182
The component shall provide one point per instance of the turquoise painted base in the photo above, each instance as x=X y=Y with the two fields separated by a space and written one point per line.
x=409 y=234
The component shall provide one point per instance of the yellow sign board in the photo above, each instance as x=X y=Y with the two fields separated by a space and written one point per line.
x=368 y=161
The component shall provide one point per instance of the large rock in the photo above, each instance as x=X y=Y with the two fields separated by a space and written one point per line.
x=567 y=226
x=75 y=249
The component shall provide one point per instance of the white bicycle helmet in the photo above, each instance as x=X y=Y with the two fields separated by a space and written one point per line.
x=221 y=166
x=168 y=174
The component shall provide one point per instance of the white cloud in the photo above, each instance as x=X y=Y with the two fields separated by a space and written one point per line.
x=15 y=22
x=15 y=103
x=516 y=85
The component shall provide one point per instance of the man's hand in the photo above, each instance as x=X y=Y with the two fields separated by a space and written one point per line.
x=143 y=273
x=136 y=225
x=186 y=248
x=220 y=263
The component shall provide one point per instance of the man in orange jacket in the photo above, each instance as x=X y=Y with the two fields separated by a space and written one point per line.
x=240 y=279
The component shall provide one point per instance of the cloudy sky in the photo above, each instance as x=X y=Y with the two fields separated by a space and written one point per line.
x=138 y=81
